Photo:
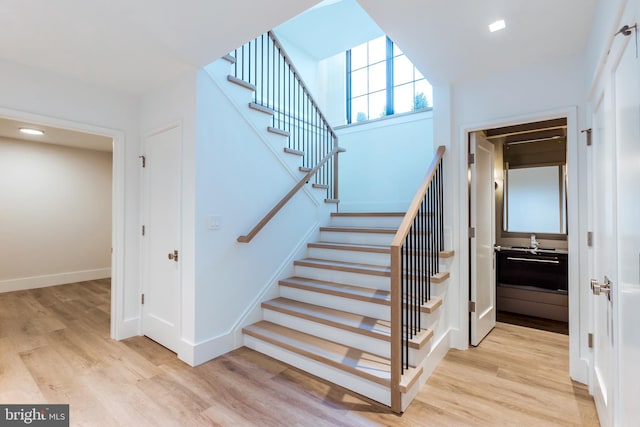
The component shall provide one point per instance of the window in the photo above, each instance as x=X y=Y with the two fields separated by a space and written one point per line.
x=381 y=81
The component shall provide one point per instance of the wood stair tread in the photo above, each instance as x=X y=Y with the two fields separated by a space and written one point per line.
x=351 y=247
x=349 y=267
x=432 y=305
x=376 y=328
x=261 y=108
x=241 y=83
x=440 y=277
x=381 y=230
x=360 y=293
x=447 y=254
x=366 y=365
x=367 y=214
x=277 y=131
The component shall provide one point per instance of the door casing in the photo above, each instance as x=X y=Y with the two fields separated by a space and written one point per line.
x=579 y=355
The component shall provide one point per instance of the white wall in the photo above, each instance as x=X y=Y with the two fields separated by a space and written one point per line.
x=385 y=162
x=43 y=97
x=55 y=223
x=528 y=94
x=333 y=98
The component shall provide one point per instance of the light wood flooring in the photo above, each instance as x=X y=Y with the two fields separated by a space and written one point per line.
x=55 y=348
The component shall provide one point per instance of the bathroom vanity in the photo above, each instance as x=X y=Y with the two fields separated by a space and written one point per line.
x=532 y=282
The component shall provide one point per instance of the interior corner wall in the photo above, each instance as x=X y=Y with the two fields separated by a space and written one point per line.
x=55 y=225
x=43 y=97
x=385 y=162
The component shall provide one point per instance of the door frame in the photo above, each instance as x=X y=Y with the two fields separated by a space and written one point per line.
x=144 y=219
x=579 y=356
x=473 y=222
x=117 y=329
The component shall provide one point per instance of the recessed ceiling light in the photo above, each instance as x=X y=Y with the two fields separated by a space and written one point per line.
x=30 y=131
x=497 y=26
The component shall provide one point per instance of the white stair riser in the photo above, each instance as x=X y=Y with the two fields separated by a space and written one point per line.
x=344 y=277
x=364 y=308
x=367 y=221
x=347 y=380
x=358 y=238
x=358 y=257
x=330 y=333
x=416 y=356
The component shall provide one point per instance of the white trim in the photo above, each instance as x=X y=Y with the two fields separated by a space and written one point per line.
x=117 y=330
x=45 y=280
x=578 y=363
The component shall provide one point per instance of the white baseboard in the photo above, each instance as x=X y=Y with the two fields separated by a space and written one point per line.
x=127 y=328
x=34 y=282
x=204 y=351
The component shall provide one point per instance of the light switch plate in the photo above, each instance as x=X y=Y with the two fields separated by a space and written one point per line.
x=215 y=222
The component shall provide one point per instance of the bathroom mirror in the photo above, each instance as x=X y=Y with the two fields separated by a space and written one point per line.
x=534 y=193
x=534 y=200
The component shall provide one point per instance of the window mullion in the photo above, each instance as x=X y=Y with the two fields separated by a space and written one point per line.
x=349 y=91
x=389 y=85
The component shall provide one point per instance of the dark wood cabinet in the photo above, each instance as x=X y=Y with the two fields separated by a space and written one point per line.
x=544 y=270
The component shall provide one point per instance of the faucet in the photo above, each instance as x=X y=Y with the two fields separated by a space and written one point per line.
x=534 y=242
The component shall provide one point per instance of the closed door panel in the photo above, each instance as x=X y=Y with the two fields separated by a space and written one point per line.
x=161 y=309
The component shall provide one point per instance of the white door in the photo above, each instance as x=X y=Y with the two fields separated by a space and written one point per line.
x=627 y=131
x=162 y=293
x=604 y=258
x=483 y=275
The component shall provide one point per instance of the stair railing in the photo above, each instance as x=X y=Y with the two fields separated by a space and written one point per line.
x=263 y=63
x=415 y=253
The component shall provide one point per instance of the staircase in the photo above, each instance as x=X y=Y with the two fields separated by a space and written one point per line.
x=362 y=309
x=332 y=318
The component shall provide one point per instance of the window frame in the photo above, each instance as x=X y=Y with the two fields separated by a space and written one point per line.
x=389 y=89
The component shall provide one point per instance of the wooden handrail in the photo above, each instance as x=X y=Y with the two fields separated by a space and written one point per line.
x=255 y=230
x=396 y=281
x=295 y=72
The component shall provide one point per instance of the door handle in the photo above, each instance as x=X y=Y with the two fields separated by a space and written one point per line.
x=601 y=288
x=174 y=255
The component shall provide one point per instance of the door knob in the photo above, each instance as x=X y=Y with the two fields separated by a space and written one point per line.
x=601 y=288
x=174 y=255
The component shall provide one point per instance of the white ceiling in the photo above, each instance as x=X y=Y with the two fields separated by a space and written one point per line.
x=132 y=45
x=11 y=129
x=448 y=40
x=135 y=45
